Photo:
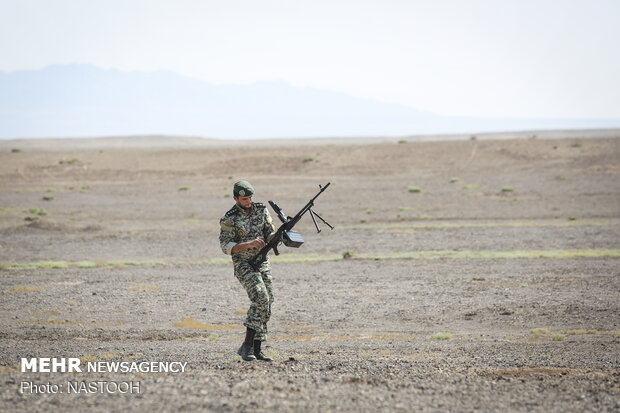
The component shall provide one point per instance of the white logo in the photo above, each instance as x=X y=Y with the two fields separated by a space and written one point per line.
x=242 y=192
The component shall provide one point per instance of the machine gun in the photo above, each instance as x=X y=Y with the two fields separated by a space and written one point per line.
x=285 y=233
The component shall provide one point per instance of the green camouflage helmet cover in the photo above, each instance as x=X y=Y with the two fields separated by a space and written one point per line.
x=243 y=188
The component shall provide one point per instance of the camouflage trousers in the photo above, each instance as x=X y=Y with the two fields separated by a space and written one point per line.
x=258 y=285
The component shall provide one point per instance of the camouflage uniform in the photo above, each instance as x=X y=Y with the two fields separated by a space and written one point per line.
x=238 y=226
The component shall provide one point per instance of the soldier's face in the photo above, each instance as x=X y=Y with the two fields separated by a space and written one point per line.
x=244 y=201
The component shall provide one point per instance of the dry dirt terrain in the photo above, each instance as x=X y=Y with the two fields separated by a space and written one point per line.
x=462 y=275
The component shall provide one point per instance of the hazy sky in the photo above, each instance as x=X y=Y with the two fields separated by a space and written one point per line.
x=521 y=58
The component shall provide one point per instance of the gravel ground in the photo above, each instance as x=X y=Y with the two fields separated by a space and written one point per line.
x=524 y=284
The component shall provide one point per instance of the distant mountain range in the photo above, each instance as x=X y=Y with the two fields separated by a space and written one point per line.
x=84 y=100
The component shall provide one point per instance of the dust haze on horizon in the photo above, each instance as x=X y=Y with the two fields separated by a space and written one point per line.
x=508 y=59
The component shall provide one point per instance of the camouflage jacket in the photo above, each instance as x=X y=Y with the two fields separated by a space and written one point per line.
x=237 y=226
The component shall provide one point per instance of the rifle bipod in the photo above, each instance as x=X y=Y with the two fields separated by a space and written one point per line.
x=313 y=215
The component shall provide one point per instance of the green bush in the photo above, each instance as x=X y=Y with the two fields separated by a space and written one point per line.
x=539 y=331
x=38 y=211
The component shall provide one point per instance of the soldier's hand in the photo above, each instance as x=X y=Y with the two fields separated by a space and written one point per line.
x=259 y=243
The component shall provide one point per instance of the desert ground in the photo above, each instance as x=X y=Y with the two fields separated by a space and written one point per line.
x=474 y=274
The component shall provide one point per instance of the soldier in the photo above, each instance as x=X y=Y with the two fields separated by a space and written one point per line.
x=243 y=231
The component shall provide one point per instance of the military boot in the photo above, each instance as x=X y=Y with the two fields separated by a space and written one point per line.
x=259 y=354
x=246 y=351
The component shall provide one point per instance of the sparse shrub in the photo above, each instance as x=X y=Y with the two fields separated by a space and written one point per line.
x=31 y=218
x=454 y=179
x=572 y=218
x=414 y=189
x=50 y=190
x=52 y=264
x=347 y=254
x=86 y=264
x=48 y=197
x=38 y=211
x=230 y=177
x=402 y=141
x=471 y=186
x=16 y=150
x=308 y=159
x=558 y=337
x=226 y=195
x=442 y=336
x=363 y=221
x=581 y=331
x=370 y=211
x=507 y=189
x=524 y=285
x=539 y=331
x=473 y=138
x=85 y=188
x=184 y=188
x=405 y=208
